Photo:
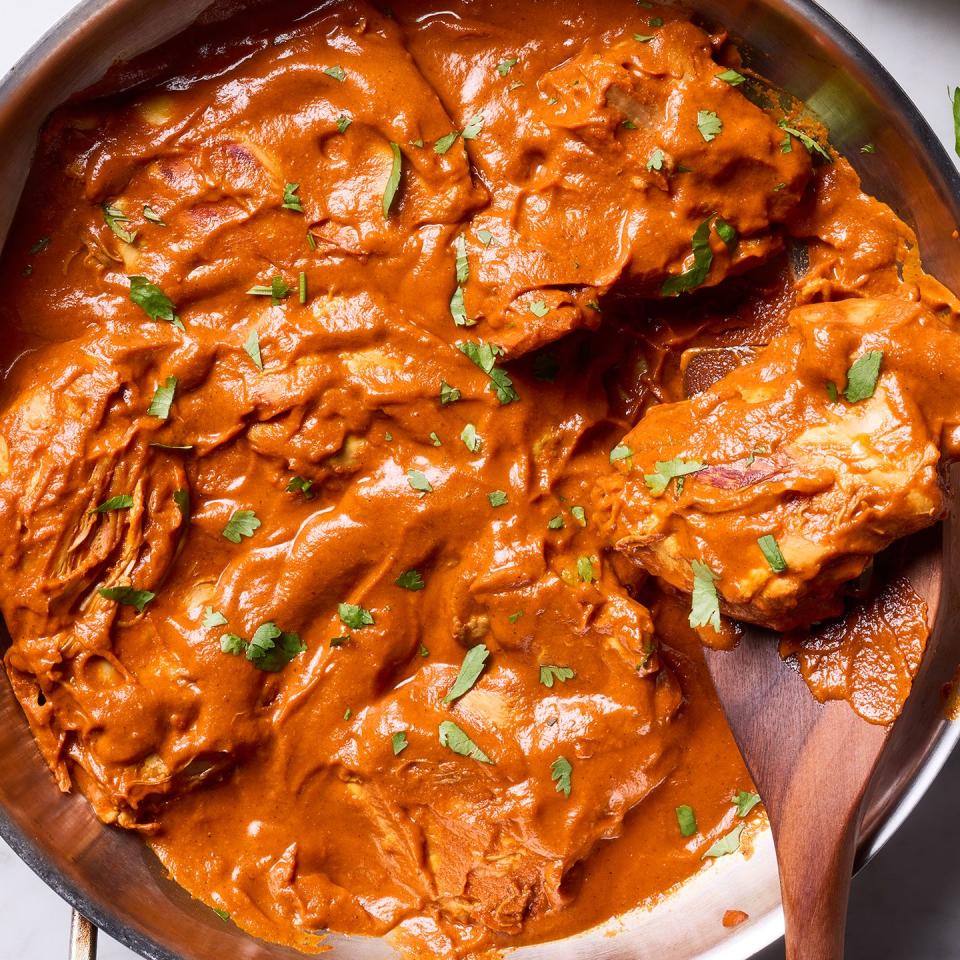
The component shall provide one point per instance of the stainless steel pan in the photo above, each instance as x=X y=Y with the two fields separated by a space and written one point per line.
x=110 y=877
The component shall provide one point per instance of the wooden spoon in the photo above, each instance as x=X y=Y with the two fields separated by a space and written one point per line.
x=812 y=764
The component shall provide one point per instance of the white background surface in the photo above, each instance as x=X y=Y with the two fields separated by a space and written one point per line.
x=906 y=904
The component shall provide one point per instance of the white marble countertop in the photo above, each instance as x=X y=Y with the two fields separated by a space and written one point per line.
x=906 y=904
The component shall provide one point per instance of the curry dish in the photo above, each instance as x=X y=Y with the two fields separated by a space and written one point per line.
x=396 y=400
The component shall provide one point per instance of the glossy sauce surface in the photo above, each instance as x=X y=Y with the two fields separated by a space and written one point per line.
x=410 y=397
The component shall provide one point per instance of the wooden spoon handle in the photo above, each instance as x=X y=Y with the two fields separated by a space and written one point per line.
x=815 y=888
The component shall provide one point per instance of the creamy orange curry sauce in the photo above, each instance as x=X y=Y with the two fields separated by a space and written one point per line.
x=396 y=400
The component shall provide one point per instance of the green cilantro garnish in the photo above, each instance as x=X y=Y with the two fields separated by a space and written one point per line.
x=726 y=844
x=549 y=673
x=470 y=670
x=832 y=393
x=243 y=523
x=458 y=309
x=290 y=199
x=667 y=470
x=114 y=216
x=336 y=72
x=277 y=290
x=656 y=160
x=705 y=604
x=399 y=742
x=863 y=375
x=446 y=142
x=410 y=580
x=485 y=237
x=556 y=523
x=686 y=820
x=726 y=232
x=484 y=355
x=643 y=37
x=655 y=22
x=251 y=347
x=419 y=482
x=162 y=399
x=497 y=498
x=343 y=121
x=270 y=649
x=222 y=914
x=347 y=714
x=474 y=125
x=702 y=261
x=580 y=515
x=771 y=550
x=585 y=569
x=956 y=118
x=452 y=737
x=539 y=308
x=709 y=125
x=561 y=772
x=471 y=439
x=620 y=452
x=393 y=181
x=462 y=263
x=514 y=617
x=354 y=616
x=745 y=802
x=302 y=288
x=732 y=77
x=182 y=499
x=505 y=66
x=213 y=618
x=150 y=214
x=435 y=439
x=153 y=301
x=128 y=596
x=448 y=394
x=122 y=501
x=868 y=148
x=808 y=141
x=300 y=485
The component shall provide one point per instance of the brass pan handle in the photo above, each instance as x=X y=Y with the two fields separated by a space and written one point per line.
x=83 y=938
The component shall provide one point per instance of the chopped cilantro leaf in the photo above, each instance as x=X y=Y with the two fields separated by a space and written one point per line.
x=745 y=802
x=732 y=77
x=300 y=485
x=539 y=308
x=702 y=261
x=620 y=452
x=398 y=741
x=162 y=399
x=182 y=499
x=470 y=670
x=549 y=673
x=805 y=138
x=709 y=125
x=585 y=569
x=290 y=199
x=561 y=772
x=410 y=580
x=458 y=309
x=727 y=844
x=474 y=125
x=243 y=523
x=686 y=820
x=128 y=596
x=251 y=347
x=343 y=122
x=656 y=160
x=580 y=515
x=643 y=37
x=462 y=263
x=114 y=217
x=354 y=616
x=726 y=232
x=336 y=72
x=485 y=237
x=153 y=301
x=505 y=66
x=771 y=550
x=419 y=481
x=471 y=439
x=556 y=523
x=150 y=214
x=445 y=143
x=448 y=394
x=484 y=356
x=452 y=737
x=497 y=498
x=667 y=470
x=863 y=375
x=213 y=618
x=705 y=604
x=393 y=181
x=122 y=501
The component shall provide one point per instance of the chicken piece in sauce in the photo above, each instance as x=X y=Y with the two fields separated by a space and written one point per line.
x=786 y=476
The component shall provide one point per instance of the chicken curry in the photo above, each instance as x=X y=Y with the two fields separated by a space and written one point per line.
x=396 y=399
